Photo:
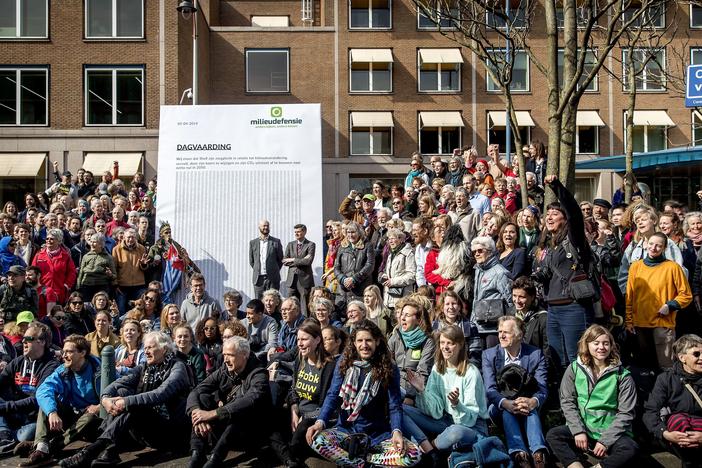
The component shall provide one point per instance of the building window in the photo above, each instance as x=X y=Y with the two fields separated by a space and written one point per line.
x=590 y=62
x=496 y=17
x=114 y=19
x=371 y=140
x=695 y=16
x=498 y=135
x=520 y=69
x=582 y=14
x=439 y=140
x=267 y=71
x=652 y=17
x=647 y=137
x=696 y=129
x=370 y=14
x=24 y=19
x=587 y=140
x=371 y=70
x=584 y=188
x=114 y=96
x=24 y=96
x=439 y=70
x=695 y=56
x=648 y=63
x=438 y=19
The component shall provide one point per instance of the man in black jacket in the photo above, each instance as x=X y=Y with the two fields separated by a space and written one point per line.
x=231 y=404
x=18 y=384
x=148 y=404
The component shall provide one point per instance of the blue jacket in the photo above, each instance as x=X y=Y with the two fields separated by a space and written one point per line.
x=377 y=418
x=532 y=360
x=78 y=390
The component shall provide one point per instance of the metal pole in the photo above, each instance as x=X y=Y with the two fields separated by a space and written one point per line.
x=508 y=127
x=195 y=56
x=108 y=372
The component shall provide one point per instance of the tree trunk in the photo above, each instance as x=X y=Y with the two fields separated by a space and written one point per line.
x=629 y=155
x=554 y=117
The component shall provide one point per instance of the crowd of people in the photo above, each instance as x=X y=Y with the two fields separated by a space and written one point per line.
x=448 y=322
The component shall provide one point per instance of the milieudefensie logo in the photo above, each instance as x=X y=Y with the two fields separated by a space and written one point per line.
x=276 y=120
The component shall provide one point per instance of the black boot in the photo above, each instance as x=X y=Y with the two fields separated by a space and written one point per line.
x=197 y=459
x=83 y=458
x=109 y=457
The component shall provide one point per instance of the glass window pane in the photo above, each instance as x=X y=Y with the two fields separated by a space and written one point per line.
x=587 y=140
x=267 y=71
x=696 y=16
x=430 y=140
x=33 y=97
x=359 y=14
x=129 y=14
x=129 y=105
x=498 y=135
x=450 y=78
x=425 y=22
x=696 y=130
x=360 y=141
x=381 y=78
x=428 y=77
x=638 y=133
x=449 y=139
x=99 y=18
x=100 y=97
x=696 y=57
x=381 y=141
x=520 y=75
x=360 y=77
x=381 y=14
x=33 y=18
x=8 y=18
x=8 y=97
x=656 y=139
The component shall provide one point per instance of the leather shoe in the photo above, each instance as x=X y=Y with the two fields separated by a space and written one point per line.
x=79 y=460
x=109 y=457
x=521 y=460
x=23 y=449
x=197 y=459
x=37 y=458
x=540 y=459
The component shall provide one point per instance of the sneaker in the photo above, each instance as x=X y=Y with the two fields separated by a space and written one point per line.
x=23 y=449
x=37 y=458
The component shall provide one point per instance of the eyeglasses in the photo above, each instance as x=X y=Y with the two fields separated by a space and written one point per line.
x=210 y=328
x=76 y=302
x=60 y=318
x=478 y=251
x=29 y=339
x=149 y=298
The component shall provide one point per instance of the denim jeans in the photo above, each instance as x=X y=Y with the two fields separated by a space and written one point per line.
x=513 y=432
x=416 y=424
x=565 y=325
x=22 y=429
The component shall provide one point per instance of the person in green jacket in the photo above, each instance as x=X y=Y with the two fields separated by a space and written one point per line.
x=184 y=339
x=598 y=399
x=97 y=269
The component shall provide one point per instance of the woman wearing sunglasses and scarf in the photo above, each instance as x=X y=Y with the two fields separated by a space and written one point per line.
x=365 y=390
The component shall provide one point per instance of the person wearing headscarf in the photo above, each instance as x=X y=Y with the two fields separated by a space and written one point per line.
x=7 y=255
x=170 y=260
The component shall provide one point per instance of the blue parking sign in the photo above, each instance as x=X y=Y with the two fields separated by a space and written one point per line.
x=693 y=95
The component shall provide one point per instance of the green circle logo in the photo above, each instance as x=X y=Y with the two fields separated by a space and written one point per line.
x=276 y=112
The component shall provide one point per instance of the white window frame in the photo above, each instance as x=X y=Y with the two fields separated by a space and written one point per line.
x=695 y=51
x=18 y=95
x=580 y=21
x=597 y=139
x=18 y=22
x=696 y=127
x=114 y=71
x=371 y=153
x=693 y=26
x=370 y=18
x=437 y=12
x=114 y=35
x=370 y=79
x=439 y=130
x=594 y=82
x=499 y=3
x=649 y=26
x=497 y=87
x=439 y=67
x=645 y=127
x=491 y=126
x=264 y=50
x=642 y=76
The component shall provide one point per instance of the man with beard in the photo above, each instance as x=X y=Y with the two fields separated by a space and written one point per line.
x=421 y=227
x=68 y=402
x=148 y=405
x=131 y=260
x=464 y=215
x=230 y=405
x=74 y=229
x=87 y=186
x=16 y=296
x=47 y=297
x=266 y=259
x=19 y=381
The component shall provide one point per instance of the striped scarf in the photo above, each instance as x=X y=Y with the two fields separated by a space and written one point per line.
x=354 y=398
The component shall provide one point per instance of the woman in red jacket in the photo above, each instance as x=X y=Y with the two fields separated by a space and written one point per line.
x=58 y=272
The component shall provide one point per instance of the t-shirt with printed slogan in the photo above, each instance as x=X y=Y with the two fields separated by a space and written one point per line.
x=307 y=387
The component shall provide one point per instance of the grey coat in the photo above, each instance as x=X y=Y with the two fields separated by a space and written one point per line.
x=302 y=264
x=421 y=361
x=354 y=262
x=491 y=282
x=263 y=336
x=400 y=269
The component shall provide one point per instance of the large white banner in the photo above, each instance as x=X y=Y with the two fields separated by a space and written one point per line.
x=221 y=169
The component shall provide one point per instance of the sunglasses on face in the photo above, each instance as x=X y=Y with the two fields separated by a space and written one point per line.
x=29 y=339
x=76 y=302
x=150 y=299
x=60 y=318
x=696 y=354
x=478 y=251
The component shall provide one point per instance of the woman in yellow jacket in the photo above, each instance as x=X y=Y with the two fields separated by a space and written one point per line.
x=656 y=290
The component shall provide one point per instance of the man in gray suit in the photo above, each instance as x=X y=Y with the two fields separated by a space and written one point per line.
x=299 y=255
x=266 y=259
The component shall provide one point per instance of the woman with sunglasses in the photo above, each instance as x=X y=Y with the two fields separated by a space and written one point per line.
x=492 y=285
x=55 y=320
x=672 y=413
x=152 y=305
x=598 y=399
x=209 y=340
x=130 y=353
x=79 y=319
x=7 y=255
x=56 y=265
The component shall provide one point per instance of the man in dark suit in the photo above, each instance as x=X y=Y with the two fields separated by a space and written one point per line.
x=266 y=259
x=517 y=409
x=299 y=255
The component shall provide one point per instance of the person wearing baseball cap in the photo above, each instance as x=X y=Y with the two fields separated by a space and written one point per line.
x=16 y=295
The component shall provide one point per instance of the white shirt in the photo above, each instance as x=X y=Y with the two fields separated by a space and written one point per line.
x=420 y=258
x=263 y=253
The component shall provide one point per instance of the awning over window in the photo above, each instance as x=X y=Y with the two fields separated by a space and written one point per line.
x=371 y=119
x=644 y=161
x=21 y=164
x=588 y=119
x=440 y=55
x=653 y=117
x=441 y=119
x=371 y=55
x=499 y=119
x=97 y=163
x=270 y=21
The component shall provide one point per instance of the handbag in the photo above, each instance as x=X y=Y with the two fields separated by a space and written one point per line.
x=395 y=291
x=488 y=311
x=514 y=381
x=357 y=445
